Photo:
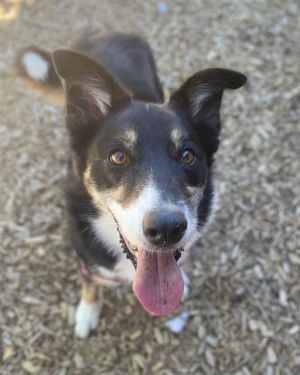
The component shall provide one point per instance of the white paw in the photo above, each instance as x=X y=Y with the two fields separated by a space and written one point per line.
x=186 y=281
x=86 y=318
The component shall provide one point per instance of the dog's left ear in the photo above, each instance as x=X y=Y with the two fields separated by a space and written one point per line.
x=200 y=98
x=91 y=94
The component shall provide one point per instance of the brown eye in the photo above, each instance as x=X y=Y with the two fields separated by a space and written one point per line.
x=187 y=157
x=118 y=158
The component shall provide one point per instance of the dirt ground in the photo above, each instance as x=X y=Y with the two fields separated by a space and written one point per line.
x=245 y=290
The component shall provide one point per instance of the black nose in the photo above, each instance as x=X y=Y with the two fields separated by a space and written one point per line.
x=164 y=228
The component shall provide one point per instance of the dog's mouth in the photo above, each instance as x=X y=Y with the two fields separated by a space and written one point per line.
x=158 y=283
x=131 y=251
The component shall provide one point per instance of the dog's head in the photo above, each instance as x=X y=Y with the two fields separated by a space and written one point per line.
x=147 y=164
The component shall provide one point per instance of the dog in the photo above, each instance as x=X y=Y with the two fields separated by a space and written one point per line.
x=140 y=186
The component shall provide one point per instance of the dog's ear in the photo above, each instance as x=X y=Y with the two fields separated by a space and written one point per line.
x=91 y=93
x=200 y=98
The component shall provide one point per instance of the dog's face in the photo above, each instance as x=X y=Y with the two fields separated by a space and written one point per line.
x=148 y=167
x=146 y=164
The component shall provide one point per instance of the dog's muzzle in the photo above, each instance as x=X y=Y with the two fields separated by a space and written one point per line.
x=129 y=251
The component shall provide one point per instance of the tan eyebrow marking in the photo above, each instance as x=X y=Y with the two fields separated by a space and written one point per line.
x=129 y=137
x=176 y=136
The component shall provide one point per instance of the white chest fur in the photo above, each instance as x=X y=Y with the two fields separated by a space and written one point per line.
x=106 y=231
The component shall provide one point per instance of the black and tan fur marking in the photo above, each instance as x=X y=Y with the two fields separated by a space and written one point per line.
x=114 y=101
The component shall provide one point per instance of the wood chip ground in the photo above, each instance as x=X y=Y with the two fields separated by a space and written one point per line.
x=245 y=289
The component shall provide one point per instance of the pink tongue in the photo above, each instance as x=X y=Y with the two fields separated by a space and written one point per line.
x=158 y=282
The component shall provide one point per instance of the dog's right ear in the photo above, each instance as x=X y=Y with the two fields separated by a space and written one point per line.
x=200 y=98
x=91 y=93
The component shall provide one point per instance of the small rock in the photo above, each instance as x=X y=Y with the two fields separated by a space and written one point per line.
x=283 y=300
x=212 y=341
x=258 y=272
x=78 y=360
x=272 y=357
x=8 y=352
x=294 y=330
x=253 y=325
x=295 y=259
x=29 y=367
x=210 y=358
x=71 y=314
x=201 y=332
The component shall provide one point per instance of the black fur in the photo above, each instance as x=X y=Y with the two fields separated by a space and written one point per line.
x=121 y=54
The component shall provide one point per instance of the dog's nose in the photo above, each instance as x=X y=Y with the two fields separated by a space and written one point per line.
x=164 y=228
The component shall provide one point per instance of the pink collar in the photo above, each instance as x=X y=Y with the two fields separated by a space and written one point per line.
x=97 y=277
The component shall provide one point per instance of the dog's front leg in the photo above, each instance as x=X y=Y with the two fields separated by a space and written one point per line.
x=88 y=309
